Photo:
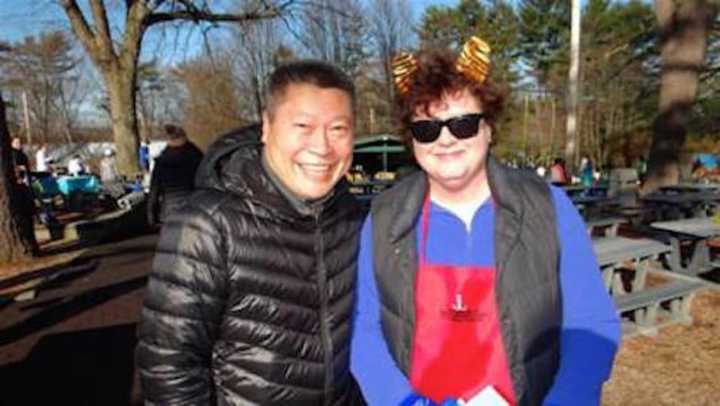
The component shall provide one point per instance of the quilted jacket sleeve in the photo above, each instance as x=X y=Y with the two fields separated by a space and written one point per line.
x=183 y=308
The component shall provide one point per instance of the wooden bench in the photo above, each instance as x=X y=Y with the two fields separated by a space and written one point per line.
x=646 y=306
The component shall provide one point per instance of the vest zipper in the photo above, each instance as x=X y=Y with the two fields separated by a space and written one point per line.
x=326 y=337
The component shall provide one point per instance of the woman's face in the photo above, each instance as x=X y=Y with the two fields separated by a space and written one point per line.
x=452 y=164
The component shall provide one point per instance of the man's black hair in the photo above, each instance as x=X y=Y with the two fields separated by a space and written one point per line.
x=312 y=72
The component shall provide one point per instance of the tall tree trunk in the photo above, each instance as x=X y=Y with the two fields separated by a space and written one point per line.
x=17 y=238
x=571 y=128
x=122 y=93
x=684 y=28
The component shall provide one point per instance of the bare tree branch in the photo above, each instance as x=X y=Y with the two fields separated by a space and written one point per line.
x=135 y=26
x=157 y=18
x=192 y=12
x=81 y=28
x=103 y=37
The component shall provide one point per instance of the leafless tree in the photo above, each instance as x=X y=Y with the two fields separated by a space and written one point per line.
x=253 y=56
x=115 y=53
x=211 y=105
x=45 y=69
x=334 y=31
x=390 y=26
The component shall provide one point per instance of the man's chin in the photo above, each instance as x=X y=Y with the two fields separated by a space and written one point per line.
x=315 y=192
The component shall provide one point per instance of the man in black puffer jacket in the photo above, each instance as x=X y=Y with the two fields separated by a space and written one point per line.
x=251 y=296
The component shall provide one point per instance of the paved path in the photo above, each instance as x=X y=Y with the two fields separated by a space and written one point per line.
x=74 y=343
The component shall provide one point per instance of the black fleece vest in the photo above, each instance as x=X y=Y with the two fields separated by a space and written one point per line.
x=527 y=256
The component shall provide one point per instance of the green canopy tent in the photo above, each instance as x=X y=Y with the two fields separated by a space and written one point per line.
x=384 y=152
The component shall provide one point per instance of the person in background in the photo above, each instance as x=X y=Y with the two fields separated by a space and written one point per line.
x=698 y=170
x=109 y=175
x=75 y=166
x=172 y=179
x=641 y=168
x=23 y=191
x=558 y=173
x=251 y=295
x=41 y=159
x=20 y=161
x=587 y=174
x=144 y=155
x=108 y=167
x=477 y=282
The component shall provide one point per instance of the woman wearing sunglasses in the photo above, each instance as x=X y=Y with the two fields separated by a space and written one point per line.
x=477 y=282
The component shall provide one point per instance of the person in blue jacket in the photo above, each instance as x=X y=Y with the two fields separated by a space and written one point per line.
x=477 y=282
x=144 y=155
x=587 y=175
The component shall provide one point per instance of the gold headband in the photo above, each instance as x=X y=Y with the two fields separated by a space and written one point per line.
x=473 y=63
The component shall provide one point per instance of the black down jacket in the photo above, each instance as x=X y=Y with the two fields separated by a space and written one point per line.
x=251 y=295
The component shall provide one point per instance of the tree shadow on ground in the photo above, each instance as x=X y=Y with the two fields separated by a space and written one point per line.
x=88 y=367
x=54 y=312
x=95 y=235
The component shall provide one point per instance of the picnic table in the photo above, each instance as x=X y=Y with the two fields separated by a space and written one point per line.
x=370 y=187
x=366 y=190
x=641 y=306
x=581 y=190
x=691 y=187
x=591 y=201
x=694 y=233
x=593 y=206
x=671 y=203
x=618 y=253
x=609 y=225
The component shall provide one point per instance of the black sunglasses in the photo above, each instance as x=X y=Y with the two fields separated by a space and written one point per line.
x=461 y=127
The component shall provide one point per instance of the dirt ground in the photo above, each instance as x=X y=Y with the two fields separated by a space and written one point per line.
x=680 y=366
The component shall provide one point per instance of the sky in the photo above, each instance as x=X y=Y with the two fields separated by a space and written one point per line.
x=25 y=17
x=21 y=18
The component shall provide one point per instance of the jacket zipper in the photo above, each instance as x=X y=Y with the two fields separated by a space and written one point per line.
x=326 y=338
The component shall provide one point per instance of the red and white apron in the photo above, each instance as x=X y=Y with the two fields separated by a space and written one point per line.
x=457 y=347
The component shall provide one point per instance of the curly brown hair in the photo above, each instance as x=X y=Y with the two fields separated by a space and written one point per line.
x=437 y=76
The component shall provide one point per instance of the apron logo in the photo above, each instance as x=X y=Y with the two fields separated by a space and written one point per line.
x=458 y=311
x=458 y=306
